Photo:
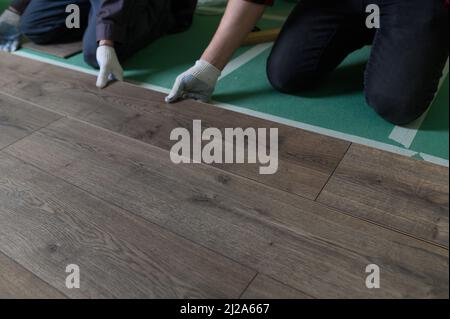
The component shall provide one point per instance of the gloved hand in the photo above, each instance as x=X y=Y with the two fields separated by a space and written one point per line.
x=9 y=31
x=197 y=83
x=110 y=68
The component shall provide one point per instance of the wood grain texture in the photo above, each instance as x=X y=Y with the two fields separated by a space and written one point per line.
x=297 y=241
x=46 y=224
x=141 y=114
x=264 y=287
x=394 y=191
x=60 y=50
x=18 y=283
x=18 y=120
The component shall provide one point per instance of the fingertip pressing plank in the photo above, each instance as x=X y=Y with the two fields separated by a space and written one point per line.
x=18 y=119
x=60 y=50
x=18 y=283
x=48 y=224
x=393 y=191
x=264 y=287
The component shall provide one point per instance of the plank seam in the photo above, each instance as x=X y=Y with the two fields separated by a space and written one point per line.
x=245 y=289
x=392 y=229
x=31 y=133
x=31 y=272
x=332 y=173
x=280 y=282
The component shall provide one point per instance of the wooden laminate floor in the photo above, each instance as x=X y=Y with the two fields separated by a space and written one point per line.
x=86 y=179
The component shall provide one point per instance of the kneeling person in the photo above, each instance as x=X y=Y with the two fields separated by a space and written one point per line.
x=112 y=30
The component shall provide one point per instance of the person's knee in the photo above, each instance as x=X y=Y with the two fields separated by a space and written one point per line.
x=285 y=79
x=395 y=108
x=32 y=31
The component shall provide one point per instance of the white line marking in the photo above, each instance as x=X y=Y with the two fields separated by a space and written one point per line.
x=244 y=58
x=264 y=116
x=434 y=159
x=405 y=135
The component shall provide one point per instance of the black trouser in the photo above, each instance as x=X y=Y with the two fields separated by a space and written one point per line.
x=44 y=22
x=408 y=55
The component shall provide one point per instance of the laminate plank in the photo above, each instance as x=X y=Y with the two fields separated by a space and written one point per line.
x=264 y=287
x=302 y=243
x=394 y=191
x=60 y=50
x=18 y=283
x=46 y=224
x=142 y=114
x=18 y=120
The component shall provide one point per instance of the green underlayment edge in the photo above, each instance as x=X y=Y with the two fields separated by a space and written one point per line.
x=337 y=108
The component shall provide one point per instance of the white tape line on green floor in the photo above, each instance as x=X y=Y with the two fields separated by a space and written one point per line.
x=244 y=58
x=405 y=135
x=434 y=159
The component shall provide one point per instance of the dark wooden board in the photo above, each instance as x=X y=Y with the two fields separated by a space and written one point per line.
x=60 y=50
x=264 y=287
x=46 y=224
x=299 y=242
x=18 y=119
x=18 y=283
x=142 y=114
x=394 y=191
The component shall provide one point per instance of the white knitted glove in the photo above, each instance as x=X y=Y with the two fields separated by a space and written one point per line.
x=9 y=31
x=197 y=83
x=110 y=68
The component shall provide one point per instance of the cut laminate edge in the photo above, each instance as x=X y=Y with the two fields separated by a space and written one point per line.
x=62 y=50
x=307 y=127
